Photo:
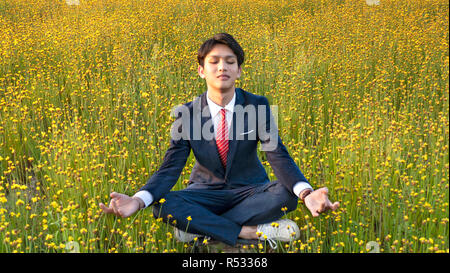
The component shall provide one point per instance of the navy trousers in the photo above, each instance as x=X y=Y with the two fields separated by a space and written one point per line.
x=221 y=213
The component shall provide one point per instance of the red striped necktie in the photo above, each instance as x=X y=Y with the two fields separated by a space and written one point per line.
x=222 y=138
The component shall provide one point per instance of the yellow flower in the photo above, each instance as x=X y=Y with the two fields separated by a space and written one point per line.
x=162 y=200
x=189 y=218
x=54 y=204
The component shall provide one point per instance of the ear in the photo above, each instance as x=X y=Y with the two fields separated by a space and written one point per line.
x=239 y=72
x=200 y=71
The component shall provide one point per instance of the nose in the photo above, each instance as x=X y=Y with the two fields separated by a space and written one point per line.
x=221 y=65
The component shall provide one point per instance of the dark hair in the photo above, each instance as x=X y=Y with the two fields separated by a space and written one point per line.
x=220 y=38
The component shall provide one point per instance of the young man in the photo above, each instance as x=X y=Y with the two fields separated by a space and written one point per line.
x=229 y=195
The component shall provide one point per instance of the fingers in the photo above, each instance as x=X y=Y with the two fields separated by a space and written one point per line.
x=105 y=208
x=335 y=206
x=323 y=190
x=328 y=206
x=115 y=207
x=322 y=207
x=115 y=195
x=112 y=209
x=322 y=203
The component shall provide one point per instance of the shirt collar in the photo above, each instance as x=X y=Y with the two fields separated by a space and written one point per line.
x=215 y=109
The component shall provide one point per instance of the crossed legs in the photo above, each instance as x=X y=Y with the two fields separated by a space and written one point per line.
x=226 y=215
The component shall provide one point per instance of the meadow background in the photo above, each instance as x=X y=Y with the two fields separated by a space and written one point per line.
x=86 y=93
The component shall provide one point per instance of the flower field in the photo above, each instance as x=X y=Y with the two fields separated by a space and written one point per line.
x=86 y=93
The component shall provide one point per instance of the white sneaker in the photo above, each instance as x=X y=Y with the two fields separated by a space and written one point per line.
x=284 y=230
x=185 y=237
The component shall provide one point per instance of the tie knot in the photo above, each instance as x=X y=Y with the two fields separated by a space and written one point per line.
x=223 y=111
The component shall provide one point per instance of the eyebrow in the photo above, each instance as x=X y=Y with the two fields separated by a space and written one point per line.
x=218 y=56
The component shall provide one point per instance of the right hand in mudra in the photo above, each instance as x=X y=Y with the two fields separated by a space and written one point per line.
x=121 y=205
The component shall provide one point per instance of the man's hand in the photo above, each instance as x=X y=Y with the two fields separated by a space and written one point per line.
x=317 y=202
x=121 y=205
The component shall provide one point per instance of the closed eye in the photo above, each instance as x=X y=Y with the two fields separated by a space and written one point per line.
x=217 y=62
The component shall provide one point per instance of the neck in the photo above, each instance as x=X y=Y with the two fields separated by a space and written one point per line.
x=220 y=97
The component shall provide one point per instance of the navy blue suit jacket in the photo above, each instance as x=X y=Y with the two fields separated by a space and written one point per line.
x=243 y=165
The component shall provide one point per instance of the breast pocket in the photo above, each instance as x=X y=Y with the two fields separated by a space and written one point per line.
x=248 y=135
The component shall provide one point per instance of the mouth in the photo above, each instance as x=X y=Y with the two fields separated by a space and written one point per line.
x=223 y=77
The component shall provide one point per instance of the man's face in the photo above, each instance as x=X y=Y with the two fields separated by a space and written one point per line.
x=220 y=69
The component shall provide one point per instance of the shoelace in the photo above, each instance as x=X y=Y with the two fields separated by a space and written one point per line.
x=273 y=244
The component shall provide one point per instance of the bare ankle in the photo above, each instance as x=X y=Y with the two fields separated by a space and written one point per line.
x=248 y=232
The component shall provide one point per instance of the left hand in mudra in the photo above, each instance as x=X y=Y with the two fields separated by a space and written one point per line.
x=318 y=202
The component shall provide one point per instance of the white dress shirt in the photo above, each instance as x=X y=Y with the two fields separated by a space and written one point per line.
x=214 y=109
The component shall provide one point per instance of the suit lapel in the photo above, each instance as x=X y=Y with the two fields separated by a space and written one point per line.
x=233 y=143
x=210 y=145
